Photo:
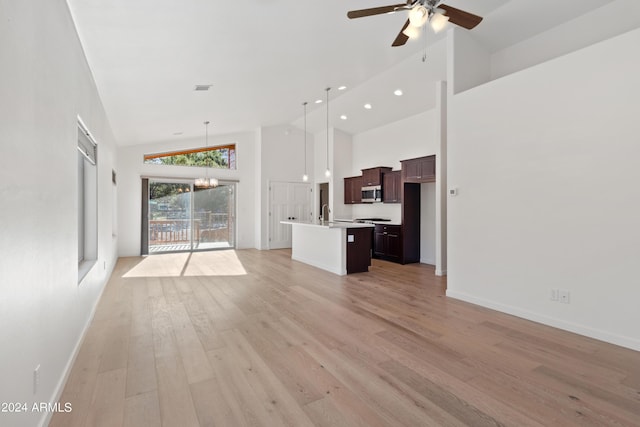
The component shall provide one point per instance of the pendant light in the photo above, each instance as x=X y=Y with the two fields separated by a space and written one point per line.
x=305 y=177
x=327 y=172
x=206 y=182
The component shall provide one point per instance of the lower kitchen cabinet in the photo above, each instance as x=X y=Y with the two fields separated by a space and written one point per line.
x=358 y=250
x=387 y=242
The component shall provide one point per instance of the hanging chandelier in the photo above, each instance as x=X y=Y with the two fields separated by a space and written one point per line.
x=206 y=182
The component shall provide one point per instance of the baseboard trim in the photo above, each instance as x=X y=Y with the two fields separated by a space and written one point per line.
x=441 y=272
x=587 y=331
x=57 y=392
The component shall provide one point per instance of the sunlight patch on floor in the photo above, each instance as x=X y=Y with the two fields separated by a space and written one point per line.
x=212 y=263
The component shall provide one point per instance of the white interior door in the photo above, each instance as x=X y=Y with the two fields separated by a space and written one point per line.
x=279 y=235
x=300 y=201
x=287 y=200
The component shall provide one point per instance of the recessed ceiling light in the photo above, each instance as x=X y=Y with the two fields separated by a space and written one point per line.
x=202 y=87
x=343 y=117
x=397 y=92
x=318 y=101
x=342 y=88
x=367 y=106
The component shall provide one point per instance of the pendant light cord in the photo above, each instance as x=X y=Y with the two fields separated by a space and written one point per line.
x=305 y=138
x=206 y=145
x=328 y=89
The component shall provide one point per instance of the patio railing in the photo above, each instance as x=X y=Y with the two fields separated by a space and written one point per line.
x=207 y=227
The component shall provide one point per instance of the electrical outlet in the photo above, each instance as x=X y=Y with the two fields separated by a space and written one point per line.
x=564 y=296
x=36 y=379
x=554 y=295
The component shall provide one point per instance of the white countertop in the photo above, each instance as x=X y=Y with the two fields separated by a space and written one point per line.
x=372 y=222
x=329 y=224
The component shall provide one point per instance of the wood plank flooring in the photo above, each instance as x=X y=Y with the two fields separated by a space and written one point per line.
x=252 y=338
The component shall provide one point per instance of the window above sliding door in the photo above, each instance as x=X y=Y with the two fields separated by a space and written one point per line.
x=219 y=157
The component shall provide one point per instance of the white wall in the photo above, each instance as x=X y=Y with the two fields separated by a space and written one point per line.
x=320 y=149
x=45 y=84
x=428 y=223
x=578 y=33
x=412 y=137
x=132 y=169
x=546 y=162
x=341 y=147
x=282 y=159
x=468 y=63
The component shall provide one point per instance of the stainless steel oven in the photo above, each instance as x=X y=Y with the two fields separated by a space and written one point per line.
x=372 y=194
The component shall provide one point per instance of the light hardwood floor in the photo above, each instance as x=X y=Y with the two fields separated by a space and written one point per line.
x=252 y=338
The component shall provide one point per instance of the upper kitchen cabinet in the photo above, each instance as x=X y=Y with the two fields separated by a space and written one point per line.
x=391 y=187
x=353 y=190
x=373 y=176
x=422 y=169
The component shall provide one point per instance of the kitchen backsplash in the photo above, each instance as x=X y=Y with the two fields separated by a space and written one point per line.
x=377 y=210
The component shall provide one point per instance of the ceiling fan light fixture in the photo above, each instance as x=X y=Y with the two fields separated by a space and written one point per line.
x=418 y=15
x=438 y=22
x=411 y=32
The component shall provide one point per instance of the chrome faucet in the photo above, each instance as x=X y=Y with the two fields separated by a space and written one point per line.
x=322 y=212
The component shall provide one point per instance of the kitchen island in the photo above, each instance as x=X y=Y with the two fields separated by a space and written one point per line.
x=339 y=247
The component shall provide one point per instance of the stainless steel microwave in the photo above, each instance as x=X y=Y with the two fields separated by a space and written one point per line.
x=372 y=194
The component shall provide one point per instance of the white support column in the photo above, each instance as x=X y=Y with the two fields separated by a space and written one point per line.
x=441 y=178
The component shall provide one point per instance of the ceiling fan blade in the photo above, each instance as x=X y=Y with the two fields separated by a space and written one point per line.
x=460 y=17
x=374 y=11
x=402 y=37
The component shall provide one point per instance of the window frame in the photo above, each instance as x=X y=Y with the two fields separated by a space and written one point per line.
x=231 y=159
x=87 y=188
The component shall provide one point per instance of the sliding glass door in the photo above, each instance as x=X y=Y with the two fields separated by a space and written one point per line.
x=213 y=217
x=182 y=217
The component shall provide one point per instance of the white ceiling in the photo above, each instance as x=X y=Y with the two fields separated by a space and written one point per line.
x=265 y=57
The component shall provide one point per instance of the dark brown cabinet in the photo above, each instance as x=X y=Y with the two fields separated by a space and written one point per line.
x=387 y=242
x=422 y=169
x=391 y=187
x=353 y=190
x=373 y=176
x=410 y=216
x=358 y=250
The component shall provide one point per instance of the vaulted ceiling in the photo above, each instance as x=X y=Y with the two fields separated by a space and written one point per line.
x=264 y=58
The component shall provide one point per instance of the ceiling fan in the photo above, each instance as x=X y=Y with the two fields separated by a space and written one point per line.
x=421 y=12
